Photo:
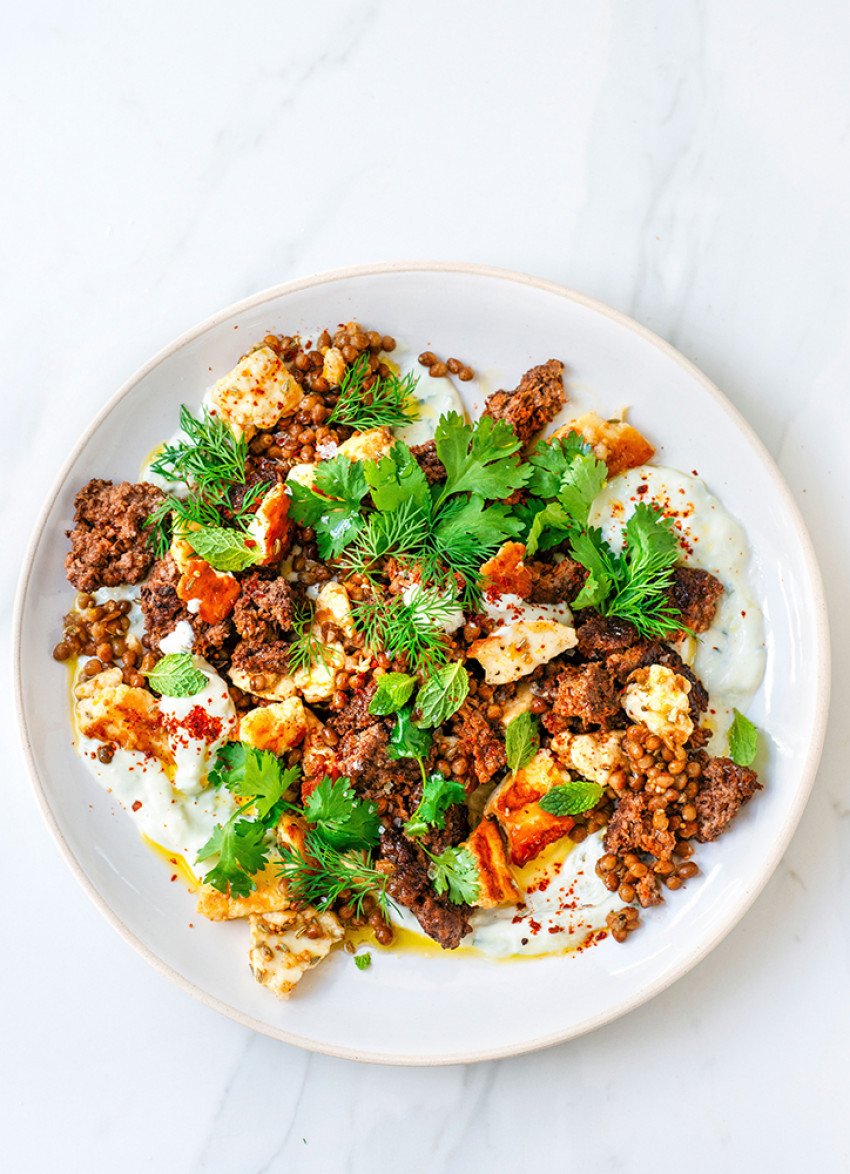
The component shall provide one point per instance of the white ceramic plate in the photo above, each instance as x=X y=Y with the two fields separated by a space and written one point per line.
x=408 y=1008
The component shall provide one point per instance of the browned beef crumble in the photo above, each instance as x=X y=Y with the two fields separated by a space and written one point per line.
x=256 y=659
x=263 y=610
x=109 y=543
x=630 y=829
x=556 y=582
x=537 y=400
x=162 y=607
x=725 y=788
x=588 y=693
x=484 y=744
x=410 y=885
x=354 y=715
x=429 y=462
x=695 y=594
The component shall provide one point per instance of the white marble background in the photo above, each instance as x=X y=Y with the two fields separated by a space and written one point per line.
x=686 y=162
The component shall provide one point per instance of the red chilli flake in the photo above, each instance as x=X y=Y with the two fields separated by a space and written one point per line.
x=137 y=805
x=201 y=725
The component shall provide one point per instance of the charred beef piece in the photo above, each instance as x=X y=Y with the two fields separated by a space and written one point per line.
x=537 y=400
x=725 y=788
x=481 y=742
x=441 y=919
x=161 y=605
x=587 y=692
x=556 y=583
x=259 y=470
x=256 y=659
x=630 y=829
x=354 y=715
x=429 y=462
x=695 y=594
x=109 y=543
x=600 y=636
x=263 y=610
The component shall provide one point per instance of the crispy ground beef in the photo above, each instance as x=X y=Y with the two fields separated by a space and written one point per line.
x=429 y=462
x=161 y=605
x=354 y=715
x=630 y=829
x=556 y=582
x=263 y=610
x=256 y=659
x=588 y=693
x=481 y=742
x=537 y=400
x=695 y=594
x=726 y=787
x=409 y=884
x=109 y=542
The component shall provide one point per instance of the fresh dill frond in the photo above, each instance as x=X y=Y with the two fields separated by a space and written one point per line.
x=413 y=630
x=210 y=457
x=323 y=873
x=306 y=650
x=386 y=403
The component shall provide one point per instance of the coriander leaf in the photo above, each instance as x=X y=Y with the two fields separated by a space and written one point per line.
x=224 y=550
x=343 y=820
x=175 y=675
x=229 y=764
x=407 y=740
x=553 y=517
x=522 y=740
x=550 y=461
x=394 y=690
x=262 y=780
x=591 y=550
x=332 y=505
x=455 y=872
x=582 y=481
x=572 y=798
x=241 y=852
x=743 y=740
x=438 y=794
x=442 y=695
x=363 y=961
x=479 y=459
x=396 y=478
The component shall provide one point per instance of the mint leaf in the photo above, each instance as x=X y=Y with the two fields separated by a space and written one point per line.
x=176 y=676
x=343 y=820
x=438 y=794
x=363 y=961
x=442 y=695
x=572 y=798
x=224 y=550
x=394 y=690
x=743 y=740
x=407 y=740
x=522 y=740
x=455 y=872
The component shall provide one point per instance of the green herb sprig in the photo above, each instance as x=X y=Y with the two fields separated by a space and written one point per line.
x=387 y=403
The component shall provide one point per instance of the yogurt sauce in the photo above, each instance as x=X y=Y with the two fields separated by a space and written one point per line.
x=171 y=805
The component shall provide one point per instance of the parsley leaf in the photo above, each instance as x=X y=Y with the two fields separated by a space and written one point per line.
x=442 y=695
x=407 y=740
x=743 y=740
x=397 y=478
x=394 y=690
x=455 y=872
x=242 y=853
x=229 y=764
x=550 y=525
x=572 y=798
x=343 y=820
x=438 y=794
x=262 y=781
x=591 y=550
x=363 y=961
x=332 y=505
x=565 y=468
x=480 y=458
x=175 y=675
x=522 y=740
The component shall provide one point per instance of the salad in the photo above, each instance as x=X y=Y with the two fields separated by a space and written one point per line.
x=362 y=667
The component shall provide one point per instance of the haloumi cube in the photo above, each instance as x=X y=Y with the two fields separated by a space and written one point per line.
x=286 y=944
x=496 y=884
x=615 y=442
x=370 y=445
x=110 y=711
x=517 y=649
x=593 y=756
x=658 y=697
x=256 y=393
x=270 y=528
x=529 y=829
x=333 y=606
x=506 y=574
x=278 y=686
x=333 y=368
x=270 y=894
x=213 y=592
x=318 y=682
x=276 y=727
x=303 y=474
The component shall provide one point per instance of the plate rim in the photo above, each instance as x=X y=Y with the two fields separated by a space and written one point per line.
x=790 y=509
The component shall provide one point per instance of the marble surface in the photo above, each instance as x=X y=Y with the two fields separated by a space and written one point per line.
x=686 y=163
